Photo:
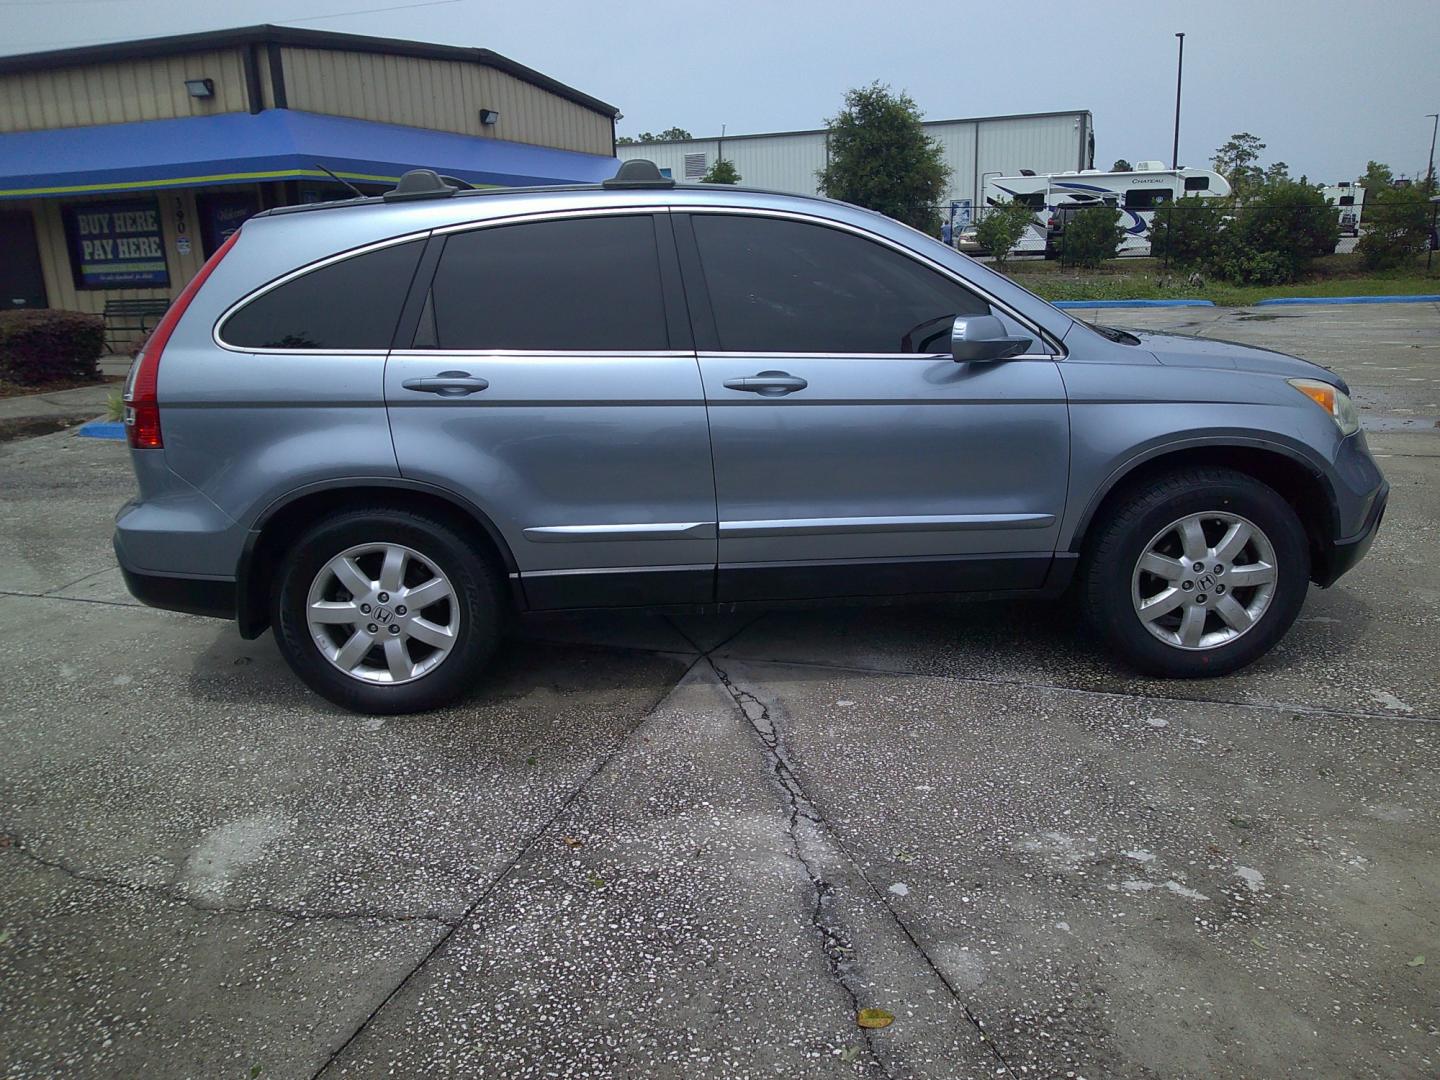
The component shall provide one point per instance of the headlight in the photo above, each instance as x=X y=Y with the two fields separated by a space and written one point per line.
x=1333 y=400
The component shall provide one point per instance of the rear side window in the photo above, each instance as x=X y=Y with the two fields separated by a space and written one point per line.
x=343 y=306
x=588 y=284
x=1146 y=198
x=787 y=286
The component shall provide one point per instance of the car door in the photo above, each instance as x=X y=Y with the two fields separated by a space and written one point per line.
x=853 y=455
x=551 y=380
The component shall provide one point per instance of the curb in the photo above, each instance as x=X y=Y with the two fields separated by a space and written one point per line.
x=1132 y=303
x=1421 y=299
x=102 y=429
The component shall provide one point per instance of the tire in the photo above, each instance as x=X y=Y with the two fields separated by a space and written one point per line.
x=1113 y=585
x=440 y=647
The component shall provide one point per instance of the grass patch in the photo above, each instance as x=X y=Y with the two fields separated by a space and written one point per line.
x=1147 y=279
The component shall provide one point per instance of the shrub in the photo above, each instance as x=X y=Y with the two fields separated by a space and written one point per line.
x=1188 y=232
x=1395 y=226
x=1000 y=228
x=39 y=346
x=1091 y=236
x=1291 y=222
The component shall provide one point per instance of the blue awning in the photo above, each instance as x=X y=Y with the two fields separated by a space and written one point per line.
x=278 y=144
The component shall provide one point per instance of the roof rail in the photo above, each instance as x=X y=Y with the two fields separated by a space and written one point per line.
x=420 y=184
x=638 y=173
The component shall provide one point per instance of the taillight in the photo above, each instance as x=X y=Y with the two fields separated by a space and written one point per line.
x=142 y=404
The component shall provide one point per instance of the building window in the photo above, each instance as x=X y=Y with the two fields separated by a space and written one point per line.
x=117 y=245
x=695 y=166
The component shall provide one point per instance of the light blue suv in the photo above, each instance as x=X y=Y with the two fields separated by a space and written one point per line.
x=378 y=427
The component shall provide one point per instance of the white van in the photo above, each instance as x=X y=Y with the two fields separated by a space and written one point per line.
x=1136 y=194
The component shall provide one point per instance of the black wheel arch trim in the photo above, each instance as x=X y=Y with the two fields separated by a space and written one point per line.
x=1294 y=452
x=253 y=617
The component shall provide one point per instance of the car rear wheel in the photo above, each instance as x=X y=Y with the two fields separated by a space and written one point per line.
x=386 y=611
x=1198 y=573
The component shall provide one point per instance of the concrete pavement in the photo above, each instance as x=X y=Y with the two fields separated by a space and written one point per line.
x=695 y=846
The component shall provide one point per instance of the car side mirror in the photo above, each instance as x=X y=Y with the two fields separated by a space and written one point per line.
x=982 y=339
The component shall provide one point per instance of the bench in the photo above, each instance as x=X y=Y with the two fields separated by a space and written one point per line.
x=123 y=317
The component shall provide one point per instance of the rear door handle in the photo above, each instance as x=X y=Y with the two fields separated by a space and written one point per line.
x=448 y=384
x=771 y=383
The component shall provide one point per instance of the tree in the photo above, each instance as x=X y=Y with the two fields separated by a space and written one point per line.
x=1397 y=225
x=1188 y=232
x=1277 y=173
x=1378 y=178
x=673 y=134
x=1091 y=236
x=722 y=172
x=881 y=158
x=1000 y=228
x=1121 y=165
x=1235 y=160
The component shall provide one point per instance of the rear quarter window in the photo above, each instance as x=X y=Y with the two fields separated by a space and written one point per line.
x=348 y=305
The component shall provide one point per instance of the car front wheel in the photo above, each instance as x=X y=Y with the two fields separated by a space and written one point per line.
x=1199 y=573
x=386 y=611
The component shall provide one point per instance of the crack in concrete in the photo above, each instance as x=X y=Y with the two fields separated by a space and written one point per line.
x=22 y=847
x=504 y=872
x=839 y=953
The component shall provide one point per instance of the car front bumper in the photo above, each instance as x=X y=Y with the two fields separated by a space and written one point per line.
x=1339 y=556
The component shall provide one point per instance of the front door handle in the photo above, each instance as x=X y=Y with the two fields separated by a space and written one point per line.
x=770 y=383
x=448 y=384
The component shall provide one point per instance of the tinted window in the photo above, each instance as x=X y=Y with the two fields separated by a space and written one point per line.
x=590 y=284
x=351 y=304
x=1197 y=183
x=1145 y=198
x=785 y=286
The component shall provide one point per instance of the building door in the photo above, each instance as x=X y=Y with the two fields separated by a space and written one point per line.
x=22 y=285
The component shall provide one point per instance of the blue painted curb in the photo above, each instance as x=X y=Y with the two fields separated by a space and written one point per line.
x=1131 y=303
x=103 y=429
x=1423 y=299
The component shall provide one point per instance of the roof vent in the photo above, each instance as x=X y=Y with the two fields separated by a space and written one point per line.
x=638 y=173
x=419 y=184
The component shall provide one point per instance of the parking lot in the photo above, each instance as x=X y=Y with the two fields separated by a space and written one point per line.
x=695 y=845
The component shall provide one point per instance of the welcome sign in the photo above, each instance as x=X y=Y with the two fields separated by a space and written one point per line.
x=117 y=244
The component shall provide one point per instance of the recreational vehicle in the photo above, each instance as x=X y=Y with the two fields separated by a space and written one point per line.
x=1135 y=194
x=1348 y=197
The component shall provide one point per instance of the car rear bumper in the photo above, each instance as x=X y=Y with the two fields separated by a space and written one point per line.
x=1341 y=555
x=211 y=597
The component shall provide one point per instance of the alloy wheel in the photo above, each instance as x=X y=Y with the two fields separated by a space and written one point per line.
x=1204 y=580
x=383 y=613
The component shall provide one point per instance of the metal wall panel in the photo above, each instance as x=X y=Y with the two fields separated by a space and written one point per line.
x=442 y=95
x=117 y=93
x=788 y=161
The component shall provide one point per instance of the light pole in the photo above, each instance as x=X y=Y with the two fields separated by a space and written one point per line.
x=1179 y=72
x=1430 y=175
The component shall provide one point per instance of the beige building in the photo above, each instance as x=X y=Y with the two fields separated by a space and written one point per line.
x=123 y=166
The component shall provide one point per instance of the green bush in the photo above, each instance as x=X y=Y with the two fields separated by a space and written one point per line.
x=1091 y=236
x=39 y=346
x=1000 y=228
x=1395 y=226
x=1189 y=232
x=1291 y=223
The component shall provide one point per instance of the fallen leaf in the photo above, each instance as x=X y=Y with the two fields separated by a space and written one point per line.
x=571 y=842
x=596 y=881
x=1419 y=961
x=874 y=1018
x=850 y=1053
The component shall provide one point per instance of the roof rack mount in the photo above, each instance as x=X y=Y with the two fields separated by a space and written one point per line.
x=638 y=173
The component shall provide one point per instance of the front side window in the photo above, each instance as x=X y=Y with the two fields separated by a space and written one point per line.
x=588 y=284
x=348 y=305
x=787 y=286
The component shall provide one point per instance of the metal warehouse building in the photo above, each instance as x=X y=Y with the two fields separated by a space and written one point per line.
x=123 y=166
x=974 y=148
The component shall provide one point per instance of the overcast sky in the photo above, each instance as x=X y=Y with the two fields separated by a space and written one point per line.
x=1326 y=84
